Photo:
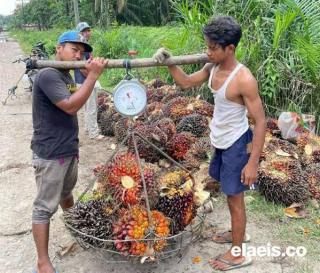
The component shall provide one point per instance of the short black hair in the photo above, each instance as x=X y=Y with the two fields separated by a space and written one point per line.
x=223 y=30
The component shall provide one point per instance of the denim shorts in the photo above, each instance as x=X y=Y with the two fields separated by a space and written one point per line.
x=227 y=164
x=55 y=181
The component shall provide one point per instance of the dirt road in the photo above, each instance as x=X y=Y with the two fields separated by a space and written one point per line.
x=17 y=190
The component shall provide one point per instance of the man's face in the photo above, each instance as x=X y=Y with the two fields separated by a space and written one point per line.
x=86 y=33
x=216 y=53
x=70 y=52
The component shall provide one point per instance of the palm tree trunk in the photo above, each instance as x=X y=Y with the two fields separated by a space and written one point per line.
x=96 y=5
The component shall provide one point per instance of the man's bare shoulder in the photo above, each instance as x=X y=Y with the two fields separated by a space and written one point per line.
x=246 y=81
x=245 y=78
x=245 y=75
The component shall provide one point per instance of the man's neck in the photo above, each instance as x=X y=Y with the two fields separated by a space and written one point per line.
x=228 y=64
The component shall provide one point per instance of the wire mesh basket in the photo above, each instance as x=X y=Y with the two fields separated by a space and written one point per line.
x=150 y=245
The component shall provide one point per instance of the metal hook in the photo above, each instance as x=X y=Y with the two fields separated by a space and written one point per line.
x=127 y=66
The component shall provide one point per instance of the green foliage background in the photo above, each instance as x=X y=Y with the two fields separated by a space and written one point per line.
x=280 y=43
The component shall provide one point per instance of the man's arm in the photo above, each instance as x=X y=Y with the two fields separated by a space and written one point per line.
x=195 y=79
x=249 y=91
x=72 y=104
x=181 y=78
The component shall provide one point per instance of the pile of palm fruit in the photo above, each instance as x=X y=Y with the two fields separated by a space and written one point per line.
x=175 y=123
x=178 y=125
x=289 y=170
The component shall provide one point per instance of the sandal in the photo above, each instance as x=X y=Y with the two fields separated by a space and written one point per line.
x=231 y=265
x=222 y=238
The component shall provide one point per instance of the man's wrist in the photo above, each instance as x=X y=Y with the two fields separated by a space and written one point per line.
x=92 y=76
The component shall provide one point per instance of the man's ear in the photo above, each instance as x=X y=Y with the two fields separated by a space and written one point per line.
x=231 y=48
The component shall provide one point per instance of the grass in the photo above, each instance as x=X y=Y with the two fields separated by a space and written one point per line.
x=295 y=232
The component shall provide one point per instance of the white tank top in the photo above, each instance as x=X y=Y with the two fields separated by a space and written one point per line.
x=229 y=120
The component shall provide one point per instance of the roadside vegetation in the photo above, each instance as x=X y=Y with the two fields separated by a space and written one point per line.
x=280 y=44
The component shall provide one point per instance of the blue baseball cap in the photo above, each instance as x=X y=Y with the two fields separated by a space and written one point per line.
x=82 y=26
x=73 y=36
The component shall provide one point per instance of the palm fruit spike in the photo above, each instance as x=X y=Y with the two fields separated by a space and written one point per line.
x=93 y=218
x=167 y=126
x=123 y=166
x=134 y=225
x=178 y=108
x=173 y=179
x=195 y=124
x=282 y=181
x=179 y=145
x=179 y=206
x=313 y=178
x=152 y=134
x=108 y=120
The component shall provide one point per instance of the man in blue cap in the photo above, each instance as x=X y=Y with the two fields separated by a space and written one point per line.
x=55 y=143
x=91 y=106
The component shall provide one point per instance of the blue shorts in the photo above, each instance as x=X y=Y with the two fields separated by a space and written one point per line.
x=227 y=164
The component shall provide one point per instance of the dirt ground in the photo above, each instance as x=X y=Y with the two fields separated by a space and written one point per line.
x=17 y=190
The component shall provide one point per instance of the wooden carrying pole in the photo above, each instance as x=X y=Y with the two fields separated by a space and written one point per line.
x=121 y=63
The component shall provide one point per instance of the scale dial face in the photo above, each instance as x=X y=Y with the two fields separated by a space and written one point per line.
x=130 y=97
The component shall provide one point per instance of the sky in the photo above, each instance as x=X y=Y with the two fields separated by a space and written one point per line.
x=7 y=6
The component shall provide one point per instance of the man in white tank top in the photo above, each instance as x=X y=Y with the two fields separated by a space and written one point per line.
x=237 y=149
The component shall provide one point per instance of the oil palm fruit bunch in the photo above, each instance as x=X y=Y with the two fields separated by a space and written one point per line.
x=93 y=218
x=155 y=94
x=121 y=128
x=309 y=147
x=155 y=83
x=272 y=127
x=198 y=152
x=159 y=92
x=124 y=179
x=179 y=145
x=135 y=225
x=194 y=123
x=153 y=134
x=281 y=180
x=190 y=162
x=176 y=199
x=178 y=108
x=150 y=173
x=167 y=126
x=173 y=179
x=201 y=107
x=107 y=121
x=201 y=148
x=179 y=206
x=154 y=111
x=171 y=96
x=278 y=148
x=101 y=109
x=313 y=178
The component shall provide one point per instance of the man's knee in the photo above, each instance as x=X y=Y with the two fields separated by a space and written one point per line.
x=42 y=216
